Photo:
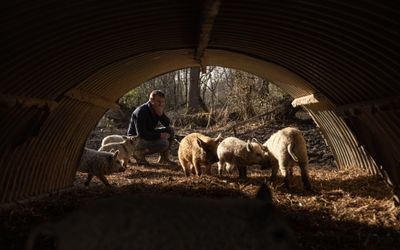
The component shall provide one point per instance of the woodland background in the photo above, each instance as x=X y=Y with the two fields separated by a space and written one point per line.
x=349 y=208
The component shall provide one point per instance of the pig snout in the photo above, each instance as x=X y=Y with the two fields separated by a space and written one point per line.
x=212 y=158
x=118 y=167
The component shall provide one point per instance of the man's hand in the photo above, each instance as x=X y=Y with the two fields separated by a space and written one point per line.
x=164 y=136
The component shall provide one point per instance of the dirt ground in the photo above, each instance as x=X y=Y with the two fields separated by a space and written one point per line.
x=348 y=209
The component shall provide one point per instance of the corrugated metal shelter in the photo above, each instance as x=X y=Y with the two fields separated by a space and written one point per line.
x=65 y=63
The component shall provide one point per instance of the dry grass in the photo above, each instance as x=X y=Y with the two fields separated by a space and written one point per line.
x=346 y=195
x=348 y=209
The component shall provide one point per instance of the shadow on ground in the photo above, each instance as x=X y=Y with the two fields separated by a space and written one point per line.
x=313 y=230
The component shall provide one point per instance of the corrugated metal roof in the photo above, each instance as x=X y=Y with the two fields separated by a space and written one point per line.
x=347 y=52
x=340 y=48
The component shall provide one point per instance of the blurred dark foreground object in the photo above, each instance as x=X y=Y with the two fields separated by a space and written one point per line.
x=168 y=222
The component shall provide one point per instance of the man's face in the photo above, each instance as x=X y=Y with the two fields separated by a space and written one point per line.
x=158 y=104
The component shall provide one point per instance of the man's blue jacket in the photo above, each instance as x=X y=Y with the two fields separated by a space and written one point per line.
x=144 y=122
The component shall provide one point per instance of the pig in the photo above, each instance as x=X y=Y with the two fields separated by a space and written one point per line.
x=99 y=164
x=236 y=153
x=115 y=138
x=287 y=148
x=129 y=145
x=126 y=149
x=156 y=221
x=196 y=150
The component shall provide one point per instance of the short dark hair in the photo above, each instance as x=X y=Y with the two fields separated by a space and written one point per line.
x=157 y=92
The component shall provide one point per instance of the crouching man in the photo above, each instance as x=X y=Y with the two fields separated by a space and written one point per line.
x=152 y=138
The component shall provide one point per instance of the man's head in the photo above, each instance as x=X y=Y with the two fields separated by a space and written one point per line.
x=157 y=92
x=157 y=100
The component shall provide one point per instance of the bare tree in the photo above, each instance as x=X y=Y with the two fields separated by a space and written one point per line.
x=195 y=103
x=230 y=94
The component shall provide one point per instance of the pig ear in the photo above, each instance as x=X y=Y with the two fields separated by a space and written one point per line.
x=248 y=146
x=116 y=153
x=256 y=141
x=219 y=138
x=201 y=143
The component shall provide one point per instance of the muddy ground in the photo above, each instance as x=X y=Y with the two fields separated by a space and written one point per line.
x=349 y=209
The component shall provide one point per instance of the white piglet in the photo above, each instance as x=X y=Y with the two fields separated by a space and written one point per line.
x=114 y=138
x=126 y=149
x=287 y=148
x=235 y=153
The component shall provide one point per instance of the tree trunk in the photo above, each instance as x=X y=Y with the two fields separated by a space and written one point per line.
x=187 y=76
x=194 y=99
x=249 y=109
x=176 y=88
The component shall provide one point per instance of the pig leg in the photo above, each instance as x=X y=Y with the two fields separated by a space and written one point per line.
x=274 y=172
x=229 y=168
x=221 y=166
x=208 y=169
x=185 y=166
x=289 y=176
x=304 y=175
x=192 y=169
x=89 y=178
x=197 y=168
x=286 y=171
x=104 y=180
x=274 y=169
x=242 y=172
